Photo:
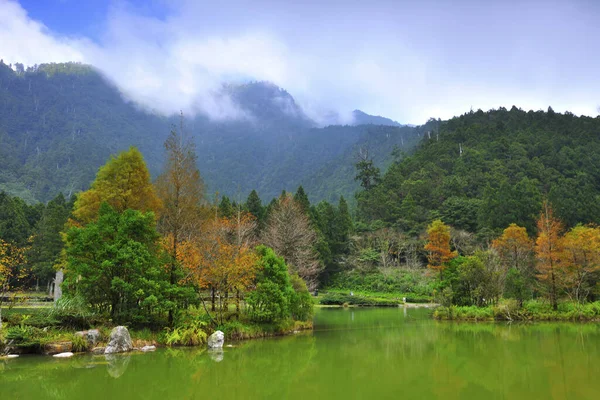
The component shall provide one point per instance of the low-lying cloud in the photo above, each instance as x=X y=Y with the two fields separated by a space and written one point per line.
x=397 y=59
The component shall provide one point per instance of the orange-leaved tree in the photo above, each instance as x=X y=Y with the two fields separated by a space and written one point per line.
x=514 y=247
x=222 y=259
x=580 y=261
x=438 y=246
x=548 y=249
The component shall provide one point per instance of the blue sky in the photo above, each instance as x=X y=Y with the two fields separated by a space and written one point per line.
x=406 y=60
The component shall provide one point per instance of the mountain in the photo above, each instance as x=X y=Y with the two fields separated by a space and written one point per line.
x=60 y=122
x=361 y=118
x=484 y=170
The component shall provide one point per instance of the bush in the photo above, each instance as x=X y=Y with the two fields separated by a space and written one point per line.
x=72 y=311
x=339 y=299
x=192 y=334
x=301 y=303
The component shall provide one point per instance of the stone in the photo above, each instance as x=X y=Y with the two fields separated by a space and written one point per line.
x=12 y=356
x=60 y=347
x=216 y=340
x=119 y=342
x=67 y=354
x=98 y=350
x=58 y=280
x=148 y=348
x=92 y=336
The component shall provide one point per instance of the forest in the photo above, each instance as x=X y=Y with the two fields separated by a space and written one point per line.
x=493 y=216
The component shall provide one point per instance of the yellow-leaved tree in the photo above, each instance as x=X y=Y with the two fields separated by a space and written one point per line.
x=123 y=182
x=580 y=261
x=11 y=257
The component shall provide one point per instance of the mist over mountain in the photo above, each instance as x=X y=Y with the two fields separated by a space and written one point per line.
x=60 y=122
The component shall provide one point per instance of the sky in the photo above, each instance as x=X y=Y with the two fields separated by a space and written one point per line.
x=406 y=60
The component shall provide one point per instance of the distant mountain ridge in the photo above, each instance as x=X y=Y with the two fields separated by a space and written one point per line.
x=60 y=122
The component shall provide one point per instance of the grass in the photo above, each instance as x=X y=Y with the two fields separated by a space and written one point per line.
x=533 y=310
x=341 y=297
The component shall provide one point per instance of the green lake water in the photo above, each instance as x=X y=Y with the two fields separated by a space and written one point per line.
x=381 y=353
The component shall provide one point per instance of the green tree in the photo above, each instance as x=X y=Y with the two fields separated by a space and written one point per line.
x=47 y=241
x=113 y=263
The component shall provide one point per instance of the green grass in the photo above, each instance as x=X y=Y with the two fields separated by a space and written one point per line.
x=533 y=310
x=366 y=298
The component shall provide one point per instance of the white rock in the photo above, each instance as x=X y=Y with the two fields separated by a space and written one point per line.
x=148 y=348
x=120 y=341
x=63 y=355
x=12 y=356
x=216 y=340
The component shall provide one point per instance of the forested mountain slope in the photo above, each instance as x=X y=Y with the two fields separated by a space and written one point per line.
x=484 y=170
x=60 y=122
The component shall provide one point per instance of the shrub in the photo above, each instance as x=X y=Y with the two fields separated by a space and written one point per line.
x=72 y=311
x=192 y=334
x=301 y=303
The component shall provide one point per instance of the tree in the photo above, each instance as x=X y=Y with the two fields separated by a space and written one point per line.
x=438 y=246
x=580 y=261
x=302 y=199
x=290 y=235
x=271 y=299
x=548 y=248
x=255 y=207
x=221 y=259
x=11 y=257
x=366 y=172
x=48 y=241
x=226 y=208
x=515 y=249
x=181 y=191
x=113 y=264
x=123 y=182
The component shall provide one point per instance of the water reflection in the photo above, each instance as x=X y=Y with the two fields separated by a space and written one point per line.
x=216 y=354
x=117 y=364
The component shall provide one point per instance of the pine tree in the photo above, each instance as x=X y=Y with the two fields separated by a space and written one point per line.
x=255 y=207
x=302 y=199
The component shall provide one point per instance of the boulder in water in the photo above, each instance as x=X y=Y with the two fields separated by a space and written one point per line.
x=216 y=340
x=120 y=341
x=148 y=348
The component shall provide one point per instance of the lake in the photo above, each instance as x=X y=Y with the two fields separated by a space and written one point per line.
x=356 y=353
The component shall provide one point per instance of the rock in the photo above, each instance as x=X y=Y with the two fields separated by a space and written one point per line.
x=60 y=347
x=215 y=341
x=67 y=354
x=120 y=341
x=148 y=348
x=12 y=356
x=98 y=350
x=92 y=336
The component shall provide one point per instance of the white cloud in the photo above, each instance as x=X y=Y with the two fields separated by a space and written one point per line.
x=401 y=61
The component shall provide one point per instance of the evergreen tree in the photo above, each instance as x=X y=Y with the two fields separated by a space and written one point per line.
x=302 y=199
x=47 y=240
x=226 y=208
x=255 y=207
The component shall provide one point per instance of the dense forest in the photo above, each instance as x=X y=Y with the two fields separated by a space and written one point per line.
x=59 y=122
x=484 y=170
